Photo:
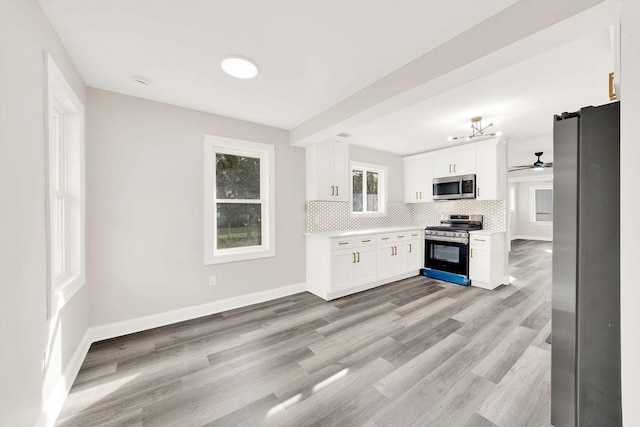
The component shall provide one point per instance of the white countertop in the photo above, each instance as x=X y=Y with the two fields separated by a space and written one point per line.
x=353 y=233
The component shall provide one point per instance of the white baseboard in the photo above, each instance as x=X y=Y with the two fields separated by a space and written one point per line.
x=544 y=239
x=117 y=329
x=55 y=400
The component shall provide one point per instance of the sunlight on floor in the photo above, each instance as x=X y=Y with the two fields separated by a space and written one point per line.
x=319 y=386
x=101 y=391
x=333 y=378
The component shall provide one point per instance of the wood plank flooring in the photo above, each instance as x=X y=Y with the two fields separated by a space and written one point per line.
x=415 y=352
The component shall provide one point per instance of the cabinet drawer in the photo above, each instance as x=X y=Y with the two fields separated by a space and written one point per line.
x=480 y=241
x=385 y=238
x=344 y=243
x=415 y=235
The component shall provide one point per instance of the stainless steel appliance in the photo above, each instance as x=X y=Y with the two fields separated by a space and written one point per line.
x=446 y=248
x=585 y=337
x=454 y=187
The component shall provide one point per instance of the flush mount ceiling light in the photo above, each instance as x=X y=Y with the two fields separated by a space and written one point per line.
x=239 y=67
x=477 y=130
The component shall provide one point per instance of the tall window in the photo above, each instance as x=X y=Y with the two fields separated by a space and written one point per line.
x=66 y=199
x=542 y=204
x=368 y=190
x=239 y=200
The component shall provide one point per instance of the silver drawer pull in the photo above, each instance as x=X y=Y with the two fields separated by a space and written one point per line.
x=343 y=243
x=479 y=240
x=384 y=238
x=366 y=241
x=400 y=237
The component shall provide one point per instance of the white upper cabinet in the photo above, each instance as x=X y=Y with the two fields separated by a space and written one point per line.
x=418 y=178
x=486 y=159
x=328 y=171
x=454 y=161
x=491 y=171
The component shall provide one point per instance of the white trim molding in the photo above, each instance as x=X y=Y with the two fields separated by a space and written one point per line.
x=55 y=400
x=125 y=327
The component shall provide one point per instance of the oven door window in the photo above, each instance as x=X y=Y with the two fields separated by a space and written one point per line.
x=446 y=188
x=447 y=256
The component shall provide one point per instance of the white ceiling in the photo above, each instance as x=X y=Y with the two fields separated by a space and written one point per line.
x=310 y=54
x=521 y=100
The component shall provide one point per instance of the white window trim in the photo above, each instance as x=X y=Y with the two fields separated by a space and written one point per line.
x=532 y=203
x=266 y=152
x=382 y=189
x=61 y=96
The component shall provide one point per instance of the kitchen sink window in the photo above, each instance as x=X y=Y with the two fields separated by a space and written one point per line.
x=368 y=190
x=239 y=200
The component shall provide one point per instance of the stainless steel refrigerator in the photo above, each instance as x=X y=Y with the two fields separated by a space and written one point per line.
x=585 y=338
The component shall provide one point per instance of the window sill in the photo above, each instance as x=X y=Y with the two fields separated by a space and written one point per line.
x=240 y=256
x=64 y=291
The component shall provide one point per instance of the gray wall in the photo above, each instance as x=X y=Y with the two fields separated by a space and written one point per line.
x=392 y=161
x=145 y=209
x=523 y=226
x=25 y=34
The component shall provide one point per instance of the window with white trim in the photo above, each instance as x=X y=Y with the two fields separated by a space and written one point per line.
x=368 y=190
x=65 y=182
x=239 y=200
x=542 y=204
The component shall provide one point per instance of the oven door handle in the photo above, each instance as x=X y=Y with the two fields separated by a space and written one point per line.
x=437 y=239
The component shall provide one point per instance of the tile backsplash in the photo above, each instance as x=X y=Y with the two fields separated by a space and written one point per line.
x=333 y=216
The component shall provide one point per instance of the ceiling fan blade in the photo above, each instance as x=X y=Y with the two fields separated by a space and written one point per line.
x=548 y=165
x=518 y=168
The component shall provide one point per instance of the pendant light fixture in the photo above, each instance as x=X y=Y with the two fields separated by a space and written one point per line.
x=477 y=130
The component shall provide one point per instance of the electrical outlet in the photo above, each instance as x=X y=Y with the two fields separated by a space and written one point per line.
x=212 y=280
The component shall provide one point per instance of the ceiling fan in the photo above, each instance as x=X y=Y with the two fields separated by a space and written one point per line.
x=538 y=165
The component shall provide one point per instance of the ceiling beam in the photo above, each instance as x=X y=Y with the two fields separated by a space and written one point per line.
x=508 y=37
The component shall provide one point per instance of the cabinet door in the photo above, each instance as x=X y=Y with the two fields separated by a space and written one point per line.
x=399 y=259
x=365 y=268
x=443 y=164
x=426 y=170
x=323 y=161
x=491 y=172
x=341 y=172
x=464 y=161
x=412 y=180
x=414 y=255
x=384 y=257
x=342 y=266
x=480 y=263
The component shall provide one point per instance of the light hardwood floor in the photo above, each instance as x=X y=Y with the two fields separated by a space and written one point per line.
x=415 y=352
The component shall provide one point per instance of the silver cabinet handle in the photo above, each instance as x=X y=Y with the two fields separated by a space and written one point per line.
x=416 y=195
x=410 y=248
x=421 y=195
x=471 y=252
x=353 y=254
x=343 y=243
x=366 y=241
x=333 y=190
x=384 y=238
x=454 y=168
x=478 y=191
x=337 y=190
x=358 y=256
x=449 y=168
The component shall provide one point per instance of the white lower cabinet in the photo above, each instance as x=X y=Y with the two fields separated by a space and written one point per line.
x=338 y=266
x=487 y=267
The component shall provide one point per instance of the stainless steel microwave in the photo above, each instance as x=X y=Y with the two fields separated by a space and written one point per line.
x=454 y=187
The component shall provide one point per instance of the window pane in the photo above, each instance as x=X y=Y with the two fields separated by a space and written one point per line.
x=372 y=192
x=237 y=177
x=357 y=190
x=239 y=225
x=544 y=205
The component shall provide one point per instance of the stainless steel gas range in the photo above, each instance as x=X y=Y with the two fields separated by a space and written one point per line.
x=446 y=248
